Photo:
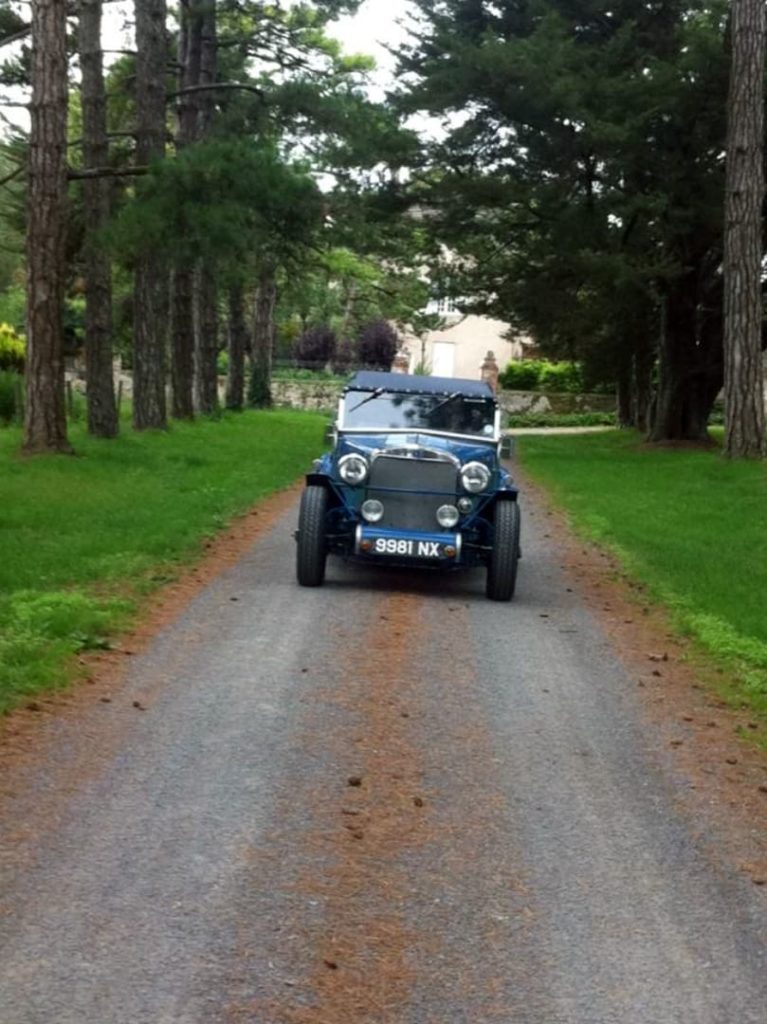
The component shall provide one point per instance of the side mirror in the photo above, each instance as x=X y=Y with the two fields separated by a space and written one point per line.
x=507 y=447
x=330 y=435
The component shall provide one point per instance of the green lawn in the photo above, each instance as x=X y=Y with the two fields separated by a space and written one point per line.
x=688 y=523
x=82 y=538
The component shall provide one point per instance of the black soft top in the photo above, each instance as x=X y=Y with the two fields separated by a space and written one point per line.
x=405 y=383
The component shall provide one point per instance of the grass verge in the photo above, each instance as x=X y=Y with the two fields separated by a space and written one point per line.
x=83 y=538
x=689 y=525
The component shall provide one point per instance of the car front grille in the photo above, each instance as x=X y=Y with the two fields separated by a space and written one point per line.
x=411 y=490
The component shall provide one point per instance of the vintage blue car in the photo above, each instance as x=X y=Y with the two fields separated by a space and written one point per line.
x=414 y=479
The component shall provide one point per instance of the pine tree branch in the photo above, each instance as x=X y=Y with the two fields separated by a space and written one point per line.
x=16 y=36
x=12 y=176
x=78 y=174
x=216 y=86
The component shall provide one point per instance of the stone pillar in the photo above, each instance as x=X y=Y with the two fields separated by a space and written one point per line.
x=401 y=362
x=489 y=372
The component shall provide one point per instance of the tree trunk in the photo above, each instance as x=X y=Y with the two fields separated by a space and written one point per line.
x=45 y=426
x=149 y=406
x=643 y=363
x=208 y=66
x=190 y=51
x=102 y=409
x=689 y=371
x=182 y=345
x=259 y=394
x=183 y=292
x=237 y=343
x=206 y=345
x=744 y=195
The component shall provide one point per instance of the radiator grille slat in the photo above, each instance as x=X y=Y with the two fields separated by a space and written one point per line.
x=414 y=510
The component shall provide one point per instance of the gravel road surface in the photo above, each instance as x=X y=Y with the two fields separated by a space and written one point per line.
x=387 y=801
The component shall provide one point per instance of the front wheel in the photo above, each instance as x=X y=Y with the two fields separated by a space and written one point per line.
x=502 y=568
x=312 y=549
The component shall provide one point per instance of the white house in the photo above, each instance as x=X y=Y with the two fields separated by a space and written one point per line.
x=459 y=347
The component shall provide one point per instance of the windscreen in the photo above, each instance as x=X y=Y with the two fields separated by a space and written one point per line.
x=391 y=410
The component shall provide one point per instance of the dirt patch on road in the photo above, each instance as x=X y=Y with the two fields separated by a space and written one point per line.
x=722 y=778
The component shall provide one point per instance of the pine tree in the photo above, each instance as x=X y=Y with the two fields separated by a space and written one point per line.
x=743 y=377
x=150 y=292
x=102 y=409
x=45 y=428
x=581 y=191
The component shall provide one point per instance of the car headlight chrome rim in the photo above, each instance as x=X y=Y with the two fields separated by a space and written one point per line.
x=372 y=510
x=447 y=516
x=475 y=477
x=353 y=469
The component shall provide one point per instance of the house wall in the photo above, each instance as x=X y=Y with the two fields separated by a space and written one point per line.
x=460 y=347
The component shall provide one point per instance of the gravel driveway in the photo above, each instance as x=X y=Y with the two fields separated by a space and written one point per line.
x=388 y=800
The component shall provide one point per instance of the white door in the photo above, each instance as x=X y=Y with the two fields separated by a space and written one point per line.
x=443 y=359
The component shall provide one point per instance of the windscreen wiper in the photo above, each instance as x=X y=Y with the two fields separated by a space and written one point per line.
x=373 y=394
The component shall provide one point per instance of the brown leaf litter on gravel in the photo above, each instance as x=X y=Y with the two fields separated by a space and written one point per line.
x=352 y=887
x=698 y=748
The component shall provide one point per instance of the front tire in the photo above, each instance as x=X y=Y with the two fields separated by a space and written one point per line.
x=502 y=568
x=312 y=549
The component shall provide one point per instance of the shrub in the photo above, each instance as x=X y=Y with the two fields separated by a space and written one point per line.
x=13 y=307
x=12 y=349
x=377 y=346
x=315 y=348
x=522 y=376
x=567 y=419
x=10 y=394
x=301 y=373
x=222 y=363
x=543 y=375
x=562 y=377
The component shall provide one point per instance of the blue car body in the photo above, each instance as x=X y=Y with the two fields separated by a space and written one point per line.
x=415 y=475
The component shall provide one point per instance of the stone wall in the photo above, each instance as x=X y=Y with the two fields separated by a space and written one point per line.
x=556 y=402
x=312 y=395
x=323 y=395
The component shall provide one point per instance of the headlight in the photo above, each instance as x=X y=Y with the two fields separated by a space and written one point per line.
x=353 y=469
x=465 y=505
x=447 y=516
x=372 y=510
x=475 y=477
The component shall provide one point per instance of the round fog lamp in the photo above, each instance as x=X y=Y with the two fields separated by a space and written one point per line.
x=372 y=511
x=447 y=516
x=353 y=469
x=465 y=505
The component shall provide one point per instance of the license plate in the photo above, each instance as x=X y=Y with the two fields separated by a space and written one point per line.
x=406 y=548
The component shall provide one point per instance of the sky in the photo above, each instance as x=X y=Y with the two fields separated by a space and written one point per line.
x=373 y=26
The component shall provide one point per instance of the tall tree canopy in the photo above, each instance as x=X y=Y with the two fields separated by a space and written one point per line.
x=580 y=182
